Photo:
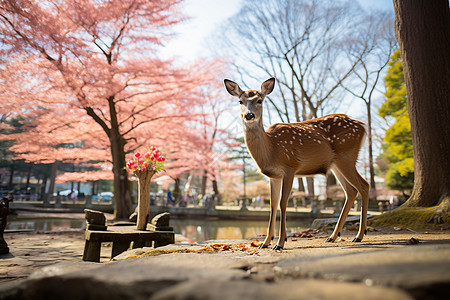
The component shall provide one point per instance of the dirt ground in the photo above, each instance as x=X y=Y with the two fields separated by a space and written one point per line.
x=30 y=251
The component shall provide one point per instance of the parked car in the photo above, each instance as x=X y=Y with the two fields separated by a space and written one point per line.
x=66 y=193
x=103 y=197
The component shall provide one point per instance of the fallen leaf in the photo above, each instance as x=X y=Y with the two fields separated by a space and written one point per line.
x=255 y=244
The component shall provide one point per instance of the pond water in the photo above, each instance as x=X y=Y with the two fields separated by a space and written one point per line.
x=47 y=224
x=194 y=230
x=203 y=230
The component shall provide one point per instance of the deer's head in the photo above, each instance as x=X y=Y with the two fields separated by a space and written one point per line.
x=251 y=101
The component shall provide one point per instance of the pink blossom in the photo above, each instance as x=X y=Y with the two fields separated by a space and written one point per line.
x=147 y=155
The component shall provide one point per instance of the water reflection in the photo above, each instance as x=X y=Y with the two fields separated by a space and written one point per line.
x=194 y=230
x=46 y=224
x=203 y=230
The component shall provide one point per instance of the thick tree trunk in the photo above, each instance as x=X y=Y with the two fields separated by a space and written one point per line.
x=11 y=176
x=310 y=185
x=331 y=182
x=215 y=186
x=122 y=196
x=51 y=188
x=301 y=185
x=423 y=31
x=204 y=181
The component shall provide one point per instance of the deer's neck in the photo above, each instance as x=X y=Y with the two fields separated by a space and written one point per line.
x=258 y=144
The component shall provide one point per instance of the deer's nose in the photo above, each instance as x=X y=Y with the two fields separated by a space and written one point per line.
x=249 y=116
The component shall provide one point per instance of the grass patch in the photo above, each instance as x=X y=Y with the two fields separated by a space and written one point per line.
x=411 y=217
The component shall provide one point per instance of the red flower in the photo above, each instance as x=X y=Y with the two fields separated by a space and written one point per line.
x=137 y=154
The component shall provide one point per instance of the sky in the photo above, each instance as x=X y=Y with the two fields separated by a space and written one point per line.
x=190 y=40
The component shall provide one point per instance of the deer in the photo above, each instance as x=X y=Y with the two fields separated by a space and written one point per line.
x=287 y=150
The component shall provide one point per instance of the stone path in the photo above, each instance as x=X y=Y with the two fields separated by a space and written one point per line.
x=386 y=265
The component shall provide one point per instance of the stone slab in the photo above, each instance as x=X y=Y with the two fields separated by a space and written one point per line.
x=286 y=290
x=405 y=267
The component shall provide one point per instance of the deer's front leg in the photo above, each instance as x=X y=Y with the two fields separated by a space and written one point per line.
x=285 y=193
x=275 y=189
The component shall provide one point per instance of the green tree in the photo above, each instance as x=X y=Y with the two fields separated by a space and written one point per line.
x=398 y=149
x=240 y=153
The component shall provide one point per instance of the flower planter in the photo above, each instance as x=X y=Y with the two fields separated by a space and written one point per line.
x=144 y=178
x=144 y=166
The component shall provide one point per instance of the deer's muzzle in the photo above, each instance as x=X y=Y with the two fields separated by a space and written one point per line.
x=249 y=116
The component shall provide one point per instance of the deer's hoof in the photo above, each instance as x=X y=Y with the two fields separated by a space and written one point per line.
x=276 y=247
x=329 y=240
x=262 y=246
x=356 y=240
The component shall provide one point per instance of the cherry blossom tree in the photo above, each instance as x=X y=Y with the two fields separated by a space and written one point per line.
x=99 y=58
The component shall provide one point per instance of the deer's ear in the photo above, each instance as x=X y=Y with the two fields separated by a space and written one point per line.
x=232 y=88
x=267 y=86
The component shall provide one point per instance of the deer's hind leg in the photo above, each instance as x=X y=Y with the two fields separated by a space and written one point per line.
x=362 y=186
x=350 y=195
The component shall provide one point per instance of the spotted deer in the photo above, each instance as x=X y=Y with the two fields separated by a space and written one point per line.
x=288 y=150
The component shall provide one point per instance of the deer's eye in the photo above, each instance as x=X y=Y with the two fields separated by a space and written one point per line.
x=240 y=102
x=259 y=101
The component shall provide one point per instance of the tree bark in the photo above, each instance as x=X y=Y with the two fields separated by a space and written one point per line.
x=301 y=185
x=204 y=181
x=51 y=188
x=423 y=31
x=122 y=195
x=373 y=190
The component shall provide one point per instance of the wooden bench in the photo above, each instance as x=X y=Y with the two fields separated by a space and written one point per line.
x=124 y=237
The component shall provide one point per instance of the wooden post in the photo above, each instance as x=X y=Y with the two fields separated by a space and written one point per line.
x=144 y=178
